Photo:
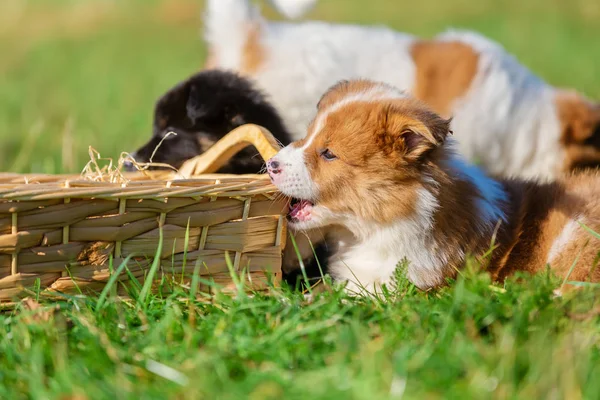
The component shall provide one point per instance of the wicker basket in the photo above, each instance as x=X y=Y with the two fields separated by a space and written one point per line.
x=59 y=233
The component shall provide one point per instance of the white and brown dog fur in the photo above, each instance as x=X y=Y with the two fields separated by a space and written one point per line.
x=378 y=174
x=506 y=118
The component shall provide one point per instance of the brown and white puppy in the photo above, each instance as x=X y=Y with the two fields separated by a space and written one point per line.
x=506 y=118
x=378 y=175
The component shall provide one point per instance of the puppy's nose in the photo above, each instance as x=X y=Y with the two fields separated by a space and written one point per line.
x=273 y=167
x=128 y=165
x=274 y=164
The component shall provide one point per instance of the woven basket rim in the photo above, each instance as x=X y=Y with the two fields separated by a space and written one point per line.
x=219 y=185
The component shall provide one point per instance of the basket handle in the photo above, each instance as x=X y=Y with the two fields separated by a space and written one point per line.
x=236 y=140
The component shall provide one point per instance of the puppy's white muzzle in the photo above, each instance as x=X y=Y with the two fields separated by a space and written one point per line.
x=289 y=173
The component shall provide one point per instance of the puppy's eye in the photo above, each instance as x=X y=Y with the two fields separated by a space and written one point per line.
x=162 y=122
x=327 y=155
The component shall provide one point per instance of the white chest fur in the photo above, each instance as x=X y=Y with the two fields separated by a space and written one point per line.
x=367 y=255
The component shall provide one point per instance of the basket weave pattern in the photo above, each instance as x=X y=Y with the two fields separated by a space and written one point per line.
x=63 y=231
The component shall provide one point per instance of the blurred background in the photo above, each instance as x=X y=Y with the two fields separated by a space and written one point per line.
x=79 y=73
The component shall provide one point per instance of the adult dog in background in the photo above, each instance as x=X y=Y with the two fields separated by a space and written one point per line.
x=506 y=118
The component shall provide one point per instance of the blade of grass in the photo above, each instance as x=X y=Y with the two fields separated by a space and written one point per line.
x=37 y=288
x=302 y=267
x=134 y=282
x=195 y=282
x=573 y=266
x=312 y=248
x=186 y=243
x=584 y=284
x=74 y=282
x=237 y=281
x=590 y=230
x=153 y=268
x=111 y=281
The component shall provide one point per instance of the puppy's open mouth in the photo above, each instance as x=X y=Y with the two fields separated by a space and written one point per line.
x=300 y=210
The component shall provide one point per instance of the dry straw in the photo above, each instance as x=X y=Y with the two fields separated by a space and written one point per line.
x=61 y=233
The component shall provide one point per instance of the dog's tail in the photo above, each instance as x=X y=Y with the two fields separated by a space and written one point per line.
x=229 y=23
x=293 y=8
x=227 y=26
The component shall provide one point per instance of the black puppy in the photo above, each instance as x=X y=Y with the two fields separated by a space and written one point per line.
x=201 y=110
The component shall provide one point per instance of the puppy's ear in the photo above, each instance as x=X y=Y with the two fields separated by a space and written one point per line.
x=418 y=139
x=411 y=136
x=193 y=105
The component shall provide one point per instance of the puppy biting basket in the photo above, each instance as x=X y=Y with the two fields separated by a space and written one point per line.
x=61 y=233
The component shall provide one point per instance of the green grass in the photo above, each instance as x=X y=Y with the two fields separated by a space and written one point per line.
x=470 y=340
x=81 y=73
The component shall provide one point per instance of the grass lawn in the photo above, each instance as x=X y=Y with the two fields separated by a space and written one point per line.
x=86 y=72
